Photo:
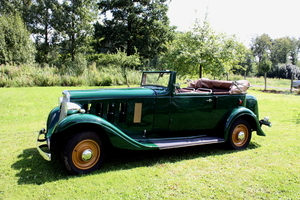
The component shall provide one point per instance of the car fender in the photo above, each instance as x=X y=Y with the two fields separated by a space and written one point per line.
x=52 y=120
x=117 y=137
x=242 y=112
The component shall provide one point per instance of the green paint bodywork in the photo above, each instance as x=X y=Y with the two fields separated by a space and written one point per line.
x=166 y=114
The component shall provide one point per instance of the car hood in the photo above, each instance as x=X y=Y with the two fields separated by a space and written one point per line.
x=114 y=93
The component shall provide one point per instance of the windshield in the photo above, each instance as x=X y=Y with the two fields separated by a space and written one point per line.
x=156 y=79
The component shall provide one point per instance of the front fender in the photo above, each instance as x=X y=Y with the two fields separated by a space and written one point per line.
x=242 y=112
x=117 y=137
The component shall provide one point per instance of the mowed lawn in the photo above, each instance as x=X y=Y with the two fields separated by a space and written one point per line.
x=268 y=169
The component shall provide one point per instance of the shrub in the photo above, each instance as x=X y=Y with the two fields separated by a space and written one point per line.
x=16 y=45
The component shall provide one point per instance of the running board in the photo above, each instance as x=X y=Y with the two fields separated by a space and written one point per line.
x=185 y=142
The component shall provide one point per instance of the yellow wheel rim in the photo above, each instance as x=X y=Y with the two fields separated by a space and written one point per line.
x=240 y=135
x=86 y=154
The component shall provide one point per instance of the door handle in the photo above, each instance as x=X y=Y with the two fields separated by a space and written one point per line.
x=209 y=100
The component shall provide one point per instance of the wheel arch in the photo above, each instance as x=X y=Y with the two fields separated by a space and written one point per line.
x=72 y=125
x=247 y=115
x=60 y=139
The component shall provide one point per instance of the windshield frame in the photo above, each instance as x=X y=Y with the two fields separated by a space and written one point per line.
x=156 y=79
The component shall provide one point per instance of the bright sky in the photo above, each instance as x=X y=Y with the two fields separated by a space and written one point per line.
x=244 y=18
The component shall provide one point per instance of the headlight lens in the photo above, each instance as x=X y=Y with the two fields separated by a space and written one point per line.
x=69 y=108
x=72 y=108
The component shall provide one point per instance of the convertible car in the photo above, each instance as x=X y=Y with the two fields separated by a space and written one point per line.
x=160 y=114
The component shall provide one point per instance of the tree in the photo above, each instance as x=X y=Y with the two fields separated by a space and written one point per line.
x=203 y=50
x=141 y=24
x=248 y=65
x=281 y=50
x=261 y=45
x=73 y=22
x=14 y=7
x=264 y=67
x=294 y=51
x=15 y=43
x=231 y=53
x=40 y=19
x=285 y=50
x=261 y=48
x=121 y=59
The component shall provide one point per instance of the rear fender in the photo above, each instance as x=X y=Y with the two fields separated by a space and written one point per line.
x=246 y=114
x=117 y=137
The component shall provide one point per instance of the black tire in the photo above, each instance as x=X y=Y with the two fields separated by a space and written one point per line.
x=239 y=135
x=84 y=153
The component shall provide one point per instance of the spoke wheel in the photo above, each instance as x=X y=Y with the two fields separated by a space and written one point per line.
x=240 y=134
x=84 y=153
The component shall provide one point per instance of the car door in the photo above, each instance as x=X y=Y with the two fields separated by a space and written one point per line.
x=191 y=111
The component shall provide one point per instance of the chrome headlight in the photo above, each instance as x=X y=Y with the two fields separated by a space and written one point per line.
x=69 y=108
x=73 y=108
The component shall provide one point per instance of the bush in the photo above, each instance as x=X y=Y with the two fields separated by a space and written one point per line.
x=284 y=71
x=16 y=45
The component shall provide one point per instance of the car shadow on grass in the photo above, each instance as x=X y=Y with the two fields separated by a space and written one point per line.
x=34 y=170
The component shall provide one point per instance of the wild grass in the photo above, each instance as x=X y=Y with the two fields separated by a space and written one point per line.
x=267 y=169
x=32 y=75
x=97 y=75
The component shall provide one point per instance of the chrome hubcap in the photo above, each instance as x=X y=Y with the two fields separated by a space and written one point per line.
x=87 y=155
x=241 y=135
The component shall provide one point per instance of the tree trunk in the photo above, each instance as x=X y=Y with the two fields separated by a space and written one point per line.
x=73 y=47
x=125 y=75
x=200 y=71
x=129 y=41
x=265 y=76
x=46 y=48
x=292 y=79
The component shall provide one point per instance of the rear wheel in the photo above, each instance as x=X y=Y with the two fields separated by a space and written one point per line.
x=84 y=153
x=239 y=134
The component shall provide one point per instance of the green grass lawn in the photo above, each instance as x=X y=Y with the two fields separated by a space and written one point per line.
x=268 y=169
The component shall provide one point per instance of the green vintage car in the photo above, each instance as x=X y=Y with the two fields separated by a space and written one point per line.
x=155 y=116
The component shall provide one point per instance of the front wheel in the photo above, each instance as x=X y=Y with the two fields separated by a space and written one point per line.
x=84 y=153
x=239 y=134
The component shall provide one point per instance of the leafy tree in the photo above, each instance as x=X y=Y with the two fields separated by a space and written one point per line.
x=285 y=50
x=73 y=22
x=261 y=48
x=294 y=51
x=264 y=67
x=138 y=24
x=261 y=45
x=40 y=20
x=231 y=54
x=280 y=50
x=14 y=6
x=15 y=43
x=248 y=65
x=204 y=50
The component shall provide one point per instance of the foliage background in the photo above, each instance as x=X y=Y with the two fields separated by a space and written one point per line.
x=72 y=35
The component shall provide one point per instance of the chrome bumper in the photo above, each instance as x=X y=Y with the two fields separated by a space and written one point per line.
x=40 y=147
x=265 y=121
